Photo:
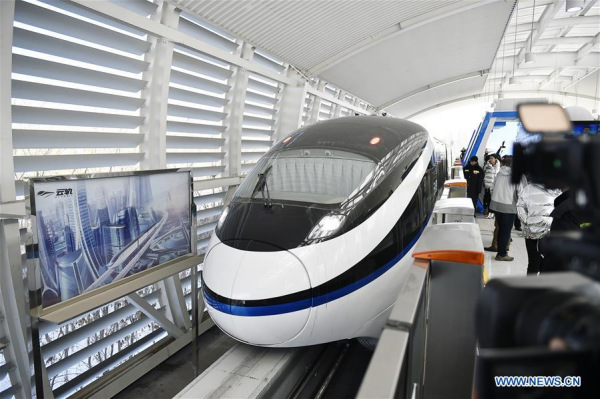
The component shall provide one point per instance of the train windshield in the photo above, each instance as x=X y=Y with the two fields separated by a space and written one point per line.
x=314 y=176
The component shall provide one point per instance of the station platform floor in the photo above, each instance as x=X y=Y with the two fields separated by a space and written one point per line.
x=494 y=268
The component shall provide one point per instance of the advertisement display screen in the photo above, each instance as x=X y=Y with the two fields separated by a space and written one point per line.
x=586 y=128
x=94 y=232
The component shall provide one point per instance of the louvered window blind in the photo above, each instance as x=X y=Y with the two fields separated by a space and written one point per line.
x=77 y=91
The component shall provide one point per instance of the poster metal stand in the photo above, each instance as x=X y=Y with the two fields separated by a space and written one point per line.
x=177 y=328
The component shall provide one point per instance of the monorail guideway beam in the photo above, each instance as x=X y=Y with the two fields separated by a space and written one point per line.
x=254 y=372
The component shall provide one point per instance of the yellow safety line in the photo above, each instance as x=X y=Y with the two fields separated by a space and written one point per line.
x=485 y=275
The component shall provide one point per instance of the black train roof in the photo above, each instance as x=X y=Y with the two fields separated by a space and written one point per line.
x=353 y=134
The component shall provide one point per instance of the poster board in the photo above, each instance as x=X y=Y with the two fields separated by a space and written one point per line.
x=101 y=236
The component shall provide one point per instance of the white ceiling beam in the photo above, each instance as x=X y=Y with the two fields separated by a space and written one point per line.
x=433 y=86
x=580 y=78
x=543 y=22
x=555 y=85
x=532 y=78
x=563 y=32
x=556 y=92
x=483 y=95
x=563 y=40
x=587 y=48
x=528 y=4
x=554 y=41
x=551 y=78
x=581 y=20
x=400 y=28
x=531 y=74
x=550 y=12
x=555 y=60
x=588 y=7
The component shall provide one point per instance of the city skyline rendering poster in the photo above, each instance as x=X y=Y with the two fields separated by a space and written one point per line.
x=93 y=232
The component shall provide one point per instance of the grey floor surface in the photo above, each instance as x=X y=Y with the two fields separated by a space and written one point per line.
x=494 y=268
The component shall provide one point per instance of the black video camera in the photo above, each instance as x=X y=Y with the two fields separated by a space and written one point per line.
x=539 y=336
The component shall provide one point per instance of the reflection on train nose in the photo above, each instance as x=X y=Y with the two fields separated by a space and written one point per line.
x=253 y=292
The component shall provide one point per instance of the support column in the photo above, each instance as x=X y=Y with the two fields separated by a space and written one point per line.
x=356 y=103
x=235 y=116
x=157 y=93
x=291 y=106
x=316 y=105
x=12 y=290
x=7 y=170
x=338 y=108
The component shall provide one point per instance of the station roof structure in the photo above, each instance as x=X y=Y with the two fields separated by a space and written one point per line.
x=406 y=57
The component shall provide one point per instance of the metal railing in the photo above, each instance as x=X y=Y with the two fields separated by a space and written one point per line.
x=397 y=367
x=431 y=326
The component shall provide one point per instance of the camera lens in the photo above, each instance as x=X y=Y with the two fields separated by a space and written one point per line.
x=564 y=315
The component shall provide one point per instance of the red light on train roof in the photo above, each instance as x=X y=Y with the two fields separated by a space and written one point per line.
x=287 y=139
x=375 y=140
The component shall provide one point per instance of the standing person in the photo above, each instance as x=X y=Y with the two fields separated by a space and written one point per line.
x=504 y=205
x=534 y=206
x=474 y=176
x=492 y=166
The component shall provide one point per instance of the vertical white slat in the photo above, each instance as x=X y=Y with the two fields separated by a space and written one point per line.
x=11 y=272
x=315 y=106
x=235 y=110
x=157 y=94
x=7 y=186
x=291 y=107
x=338 y=108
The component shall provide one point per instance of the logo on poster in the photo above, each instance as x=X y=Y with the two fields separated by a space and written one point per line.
x=45 y=194
x=64 y=192
x=61 y=192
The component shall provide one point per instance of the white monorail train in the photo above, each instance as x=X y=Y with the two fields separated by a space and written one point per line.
x=316 y=242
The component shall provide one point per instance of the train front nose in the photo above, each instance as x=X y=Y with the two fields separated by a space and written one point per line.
x=262 y=298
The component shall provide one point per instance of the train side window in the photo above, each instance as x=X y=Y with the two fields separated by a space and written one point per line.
x=425 y=194
x=410 y=220
x=386 y=250
x=422 y=203
x=399 y=227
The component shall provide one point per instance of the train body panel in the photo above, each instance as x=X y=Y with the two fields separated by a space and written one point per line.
x=338 y=271
x=256 y=275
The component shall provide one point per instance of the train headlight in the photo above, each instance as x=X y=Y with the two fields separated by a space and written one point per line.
x=223 y=217
x=327 y=225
